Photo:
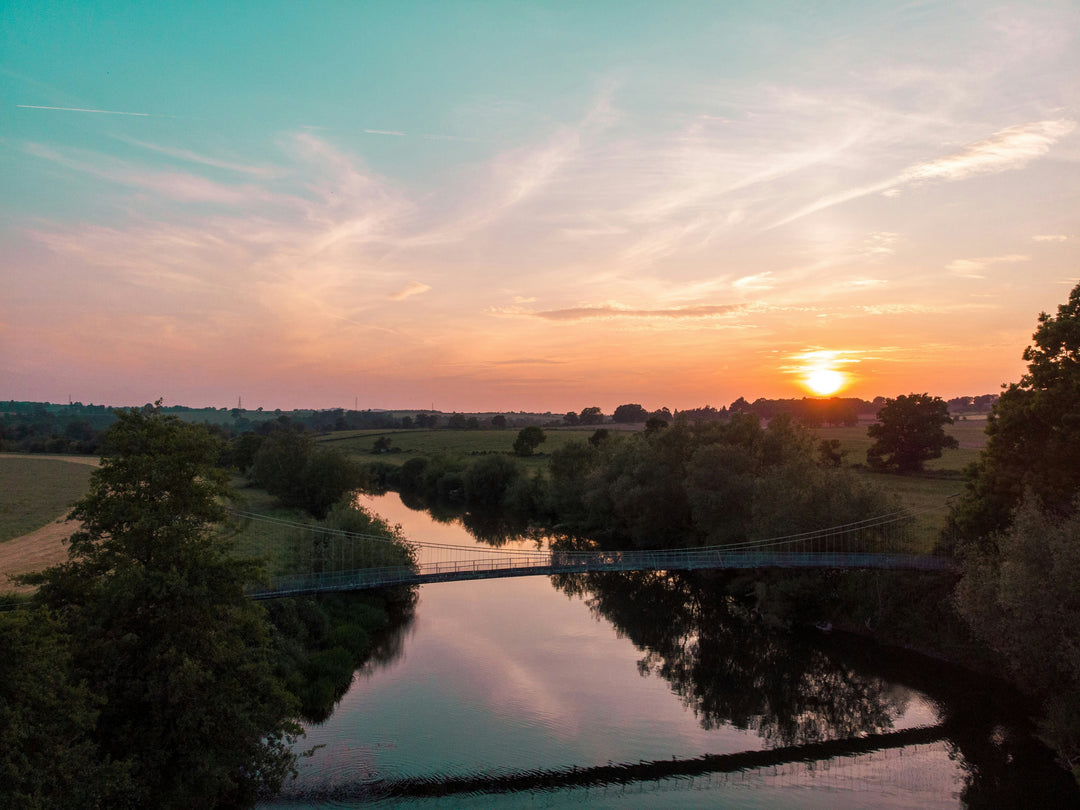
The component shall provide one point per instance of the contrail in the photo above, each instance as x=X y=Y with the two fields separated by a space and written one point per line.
x=80 y=109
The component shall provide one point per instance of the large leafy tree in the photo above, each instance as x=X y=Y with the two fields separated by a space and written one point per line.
x=300 y=473
x=1020 y=597
x=910 y=431
x=1018 y=528
x=528 y=439
x=161 y=630
x=47 y=759
x=629 y=413
x=1033 y=433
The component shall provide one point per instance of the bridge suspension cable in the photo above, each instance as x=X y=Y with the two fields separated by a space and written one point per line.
x=335 y=559
x=852 y=527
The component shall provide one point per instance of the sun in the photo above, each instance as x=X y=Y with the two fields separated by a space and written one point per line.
x=819 y=370
x=824 y=381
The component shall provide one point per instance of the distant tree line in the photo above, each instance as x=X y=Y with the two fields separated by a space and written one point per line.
x=979 y=404
x=42 y=427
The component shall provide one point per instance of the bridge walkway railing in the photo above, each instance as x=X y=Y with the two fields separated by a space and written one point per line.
x=545 y=562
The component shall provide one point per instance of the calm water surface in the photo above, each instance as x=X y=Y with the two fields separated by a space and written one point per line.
x=643 y=691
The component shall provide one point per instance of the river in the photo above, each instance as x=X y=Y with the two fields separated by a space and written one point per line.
x=648 y=690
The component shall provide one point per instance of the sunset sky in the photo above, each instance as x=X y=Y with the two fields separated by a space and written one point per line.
x=531 y=205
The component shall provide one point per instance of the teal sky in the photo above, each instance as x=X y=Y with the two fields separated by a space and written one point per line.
x=525 y=205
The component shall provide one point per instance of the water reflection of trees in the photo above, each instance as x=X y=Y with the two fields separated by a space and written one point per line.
x=729 y=669
x=388 y=643
x=491 y=526
x=989 y=727
x=793 y=689
x=497 y=530
x=324 y=641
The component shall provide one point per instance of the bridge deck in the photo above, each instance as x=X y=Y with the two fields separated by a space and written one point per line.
x=541 y=563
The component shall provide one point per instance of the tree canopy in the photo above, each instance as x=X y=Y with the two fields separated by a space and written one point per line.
x=703 y=483
x=629 y=413
x=161 y=631
x=528 y=439
x=301 y=473
x=1020 y=597
x=910 y=431
x=1033 y=433
x=1018 y=529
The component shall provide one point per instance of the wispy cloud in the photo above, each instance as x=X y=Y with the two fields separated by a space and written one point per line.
x=759 y=281
x=527 y=361
x=1050 y=237
x=82 y=110
x=180 y=186
x=588 y=313
x=410 y=289
x=1007 y=149
x=975 y=268
x=203 y=160
x=815 y=359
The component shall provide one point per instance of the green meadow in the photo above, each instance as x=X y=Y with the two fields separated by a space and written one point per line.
x=406 y=444
x=926 y=495
x=36 y=491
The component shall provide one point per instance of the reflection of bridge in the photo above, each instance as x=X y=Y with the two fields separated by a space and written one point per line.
x=340 y=561
x=828 y=752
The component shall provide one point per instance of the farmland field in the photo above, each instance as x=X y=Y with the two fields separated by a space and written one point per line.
x=406 y=444
x=35 y=491
x=926 y=495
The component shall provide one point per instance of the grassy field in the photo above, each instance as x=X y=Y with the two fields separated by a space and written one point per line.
x=287 y=547
x=925 y=495
x=263 y=540
x=465 y=443
x=36 y=491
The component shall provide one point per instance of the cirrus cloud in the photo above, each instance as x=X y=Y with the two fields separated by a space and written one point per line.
x=1010 y=148
x=410 y=289
x=587 y=313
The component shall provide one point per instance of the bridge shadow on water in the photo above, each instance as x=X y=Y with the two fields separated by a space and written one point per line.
x=622 y=774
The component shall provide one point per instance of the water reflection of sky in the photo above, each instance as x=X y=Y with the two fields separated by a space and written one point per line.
x=421 y=527
x=511 y=675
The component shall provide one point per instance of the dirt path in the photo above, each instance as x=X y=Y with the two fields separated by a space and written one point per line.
x=34 y=551
x=92 y=461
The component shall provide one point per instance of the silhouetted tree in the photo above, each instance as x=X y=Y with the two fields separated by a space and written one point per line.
x=1033 y=433
x=910 y=430
x=528 y=439
x=591 y=416
x=628 y=414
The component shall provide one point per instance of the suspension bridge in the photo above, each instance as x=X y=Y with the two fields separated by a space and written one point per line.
x=319 y=560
